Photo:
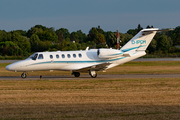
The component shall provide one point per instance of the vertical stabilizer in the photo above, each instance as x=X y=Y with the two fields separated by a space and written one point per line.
x=140 y=41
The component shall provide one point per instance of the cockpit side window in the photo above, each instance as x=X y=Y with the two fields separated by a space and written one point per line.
x=33 y=57
x=40 y=56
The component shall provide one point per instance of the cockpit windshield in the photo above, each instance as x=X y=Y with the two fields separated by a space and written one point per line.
x=33 y=56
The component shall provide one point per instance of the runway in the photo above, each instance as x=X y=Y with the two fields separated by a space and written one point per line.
x=82 y=77
x=71 y=77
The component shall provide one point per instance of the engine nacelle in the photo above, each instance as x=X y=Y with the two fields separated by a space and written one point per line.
x=108 y=53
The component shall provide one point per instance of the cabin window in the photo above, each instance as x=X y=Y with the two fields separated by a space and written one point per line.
x=68 y=55
x=40 y=56
x=80 y=55
x=57 y=56
x=51 y=56
x=63 y=56
x=74 y=55
x=33 y=57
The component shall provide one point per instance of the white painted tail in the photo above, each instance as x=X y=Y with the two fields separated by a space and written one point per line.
x=140 y=41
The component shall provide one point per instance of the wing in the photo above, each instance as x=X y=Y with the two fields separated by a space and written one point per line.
x=98 y=67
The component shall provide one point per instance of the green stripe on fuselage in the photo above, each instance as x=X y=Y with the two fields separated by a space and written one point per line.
x=98 y=61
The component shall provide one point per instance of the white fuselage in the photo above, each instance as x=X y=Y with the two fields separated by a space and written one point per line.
x=69 y=60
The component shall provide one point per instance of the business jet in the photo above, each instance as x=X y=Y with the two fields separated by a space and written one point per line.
x=86 y=61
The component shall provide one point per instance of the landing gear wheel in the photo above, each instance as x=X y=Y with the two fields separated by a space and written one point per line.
x=76 y=74
x=23 y=75
x=93 y=74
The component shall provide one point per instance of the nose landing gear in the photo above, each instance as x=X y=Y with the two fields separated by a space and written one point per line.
x=23 y=75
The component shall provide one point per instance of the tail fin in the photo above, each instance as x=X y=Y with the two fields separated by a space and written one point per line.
x=140 y=41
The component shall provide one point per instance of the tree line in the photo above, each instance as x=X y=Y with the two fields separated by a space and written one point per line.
x=41 y=38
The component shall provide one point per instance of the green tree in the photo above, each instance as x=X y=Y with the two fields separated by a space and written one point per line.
x=34 y=30
x=81 y=36
x=72 y=46
x=64 y=45
x=47 y=36
x=78 y=36
x=74 y=37
x=10 y=48
x=60 y=36
x=124 y=38
x=135 y=31
x=44 y=45
x=111 y=39
x=93 y=35
x=93 y=30
x=44 y=33
x=139 y=28
x=163 y=44
x=3 y=35
x=100 y=39
x=64 y=31
x=100 y=30
x=21 y=41
x=152 y=46
x=35 y=41
x=22 y=32
x=148 y=26
x=175 y=35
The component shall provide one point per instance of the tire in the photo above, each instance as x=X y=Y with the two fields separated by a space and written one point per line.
x=23 y=75
x=93 y=75
x=76 y=74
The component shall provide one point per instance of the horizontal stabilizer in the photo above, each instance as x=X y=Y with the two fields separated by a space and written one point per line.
x=148 y=30
x=126 y=55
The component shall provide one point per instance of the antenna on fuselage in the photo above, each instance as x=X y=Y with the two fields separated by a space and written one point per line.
x=87 y=48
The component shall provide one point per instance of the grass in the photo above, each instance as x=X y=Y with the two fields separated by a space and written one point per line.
x=91 y=99
x=152 y=98
x=154 y=67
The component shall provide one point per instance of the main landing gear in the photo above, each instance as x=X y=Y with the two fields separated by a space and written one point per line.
x=76 y=74
x=93 y=74
x=23 y=75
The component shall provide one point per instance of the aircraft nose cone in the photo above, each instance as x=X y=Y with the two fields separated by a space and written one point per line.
x=8 y=67
x=17 y=66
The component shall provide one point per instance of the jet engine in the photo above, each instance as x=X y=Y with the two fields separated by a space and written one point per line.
x=108 y=53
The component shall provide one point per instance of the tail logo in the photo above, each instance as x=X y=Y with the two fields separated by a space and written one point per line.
x=138 y=41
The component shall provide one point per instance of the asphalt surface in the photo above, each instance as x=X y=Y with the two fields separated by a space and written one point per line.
x=71 y=77
x=8 y=61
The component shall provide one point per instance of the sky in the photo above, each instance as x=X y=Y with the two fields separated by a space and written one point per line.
x=110 y=15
